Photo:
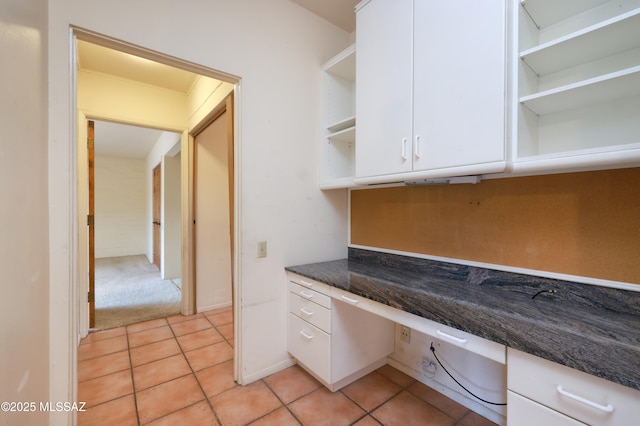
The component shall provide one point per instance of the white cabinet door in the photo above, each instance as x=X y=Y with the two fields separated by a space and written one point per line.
x=430 y=97
x=384 y=87
x=459 y=83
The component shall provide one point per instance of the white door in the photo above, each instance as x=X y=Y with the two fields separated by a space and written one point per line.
x=459 y=83
x=384 y=38
x=212 y=218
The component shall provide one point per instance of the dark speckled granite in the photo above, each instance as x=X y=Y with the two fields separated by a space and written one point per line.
x=593 y=329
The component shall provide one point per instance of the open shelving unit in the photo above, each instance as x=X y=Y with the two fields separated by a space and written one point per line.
x=337 y=144
x=577 y=90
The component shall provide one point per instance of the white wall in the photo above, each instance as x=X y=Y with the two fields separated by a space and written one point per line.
x=120 y=206
x=166 y=143
x=276 y=48
x=171 y=218
x=24 y=226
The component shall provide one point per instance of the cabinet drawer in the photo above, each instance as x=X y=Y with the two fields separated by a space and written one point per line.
x=525 y=412
x=310 y=346
x=311 y=312
x=312 y=295
x=587 y=398
x=309 y=283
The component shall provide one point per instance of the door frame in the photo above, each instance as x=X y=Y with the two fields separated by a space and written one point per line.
x=79 y=288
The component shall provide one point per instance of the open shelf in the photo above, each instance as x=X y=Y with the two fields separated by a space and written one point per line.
x=599 y=89
x=337 y=146
x=577 y=85
x=342 y=124
x=548 y=12
x=345 y=135
x=606 y=38
x=343 y=65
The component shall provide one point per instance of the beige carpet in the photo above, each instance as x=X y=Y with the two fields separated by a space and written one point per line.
x=129 y=290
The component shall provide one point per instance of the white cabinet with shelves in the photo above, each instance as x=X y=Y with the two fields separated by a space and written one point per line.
x=578 y=85
x=337 y=153
x=543 y=392
x=333 y=341
x=431 y=99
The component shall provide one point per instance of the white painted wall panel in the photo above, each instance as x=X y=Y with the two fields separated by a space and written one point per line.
x=24 y=225
x=120 y=206
x=276 y=48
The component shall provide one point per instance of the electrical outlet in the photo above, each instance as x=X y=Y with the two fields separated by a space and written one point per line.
x=405 y=334
x=262 y=249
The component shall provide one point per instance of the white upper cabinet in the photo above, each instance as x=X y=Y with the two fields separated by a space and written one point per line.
x=577 y=91
x=431 y=98
x=384 y=78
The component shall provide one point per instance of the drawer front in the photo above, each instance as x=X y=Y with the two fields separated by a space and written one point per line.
x=311 y=312
x=309 y=283
x=524 y=412
x=310 y=346
x=584 y=397
x=311 y=295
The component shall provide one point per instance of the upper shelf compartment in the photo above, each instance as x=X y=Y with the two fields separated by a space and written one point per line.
x=606 y=38
x=604 y=88
x=548 y=12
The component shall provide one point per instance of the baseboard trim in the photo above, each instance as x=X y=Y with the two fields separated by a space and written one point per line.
x=245 y=379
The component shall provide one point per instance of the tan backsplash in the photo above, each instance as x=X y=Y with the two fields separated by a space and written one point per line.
x=585 y=224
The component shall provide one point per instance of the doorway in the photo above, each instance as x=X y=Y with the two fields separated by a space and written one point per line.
x=213 y=204
x=137 y=112
x=136 y=223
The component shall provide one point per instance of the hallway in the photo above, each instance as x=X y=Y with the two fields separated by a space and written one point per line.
x=179 y=370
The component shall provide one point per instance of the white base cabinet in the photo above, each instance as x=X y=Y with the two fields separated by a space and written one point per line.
x=334 y=342
x=543 y=392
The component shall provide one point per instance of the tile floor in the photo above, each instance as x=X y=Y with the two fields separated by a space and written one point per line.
x=179 y=371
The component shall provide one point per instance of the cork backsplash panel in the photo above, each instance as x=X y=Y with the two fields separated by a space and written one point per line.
x=585 y=224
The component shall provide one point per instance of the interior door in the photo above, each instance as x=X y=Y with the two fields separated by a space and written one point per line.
x=157 y=191
x=91 y=227
x=213 y=210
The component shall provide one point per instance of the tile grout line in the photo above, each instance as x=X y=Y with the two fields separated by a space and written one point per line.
x=133 y=383
x=286 y=406
x=195 y=376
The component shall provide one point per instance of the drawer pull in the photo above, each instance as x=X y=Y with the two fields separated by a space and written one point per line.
x=306 y=284
x=348 y=299
x=307 y=313
x=306 y=295
x=448 y=336
x=607 y=409
x=306 y=336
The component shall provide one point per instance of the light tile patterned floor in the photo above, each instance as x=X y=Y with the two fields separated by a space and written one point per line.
x=179 y=371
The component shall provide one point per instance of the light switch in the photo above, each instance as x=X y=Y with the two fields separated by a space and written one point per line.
x=262 y=249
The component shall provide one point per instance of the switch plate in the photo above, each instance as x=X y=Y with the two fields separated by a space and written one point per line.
x=262 y=249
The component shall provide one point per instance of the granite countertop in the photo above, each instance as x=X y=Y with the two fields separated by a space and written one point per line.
x=591 y=328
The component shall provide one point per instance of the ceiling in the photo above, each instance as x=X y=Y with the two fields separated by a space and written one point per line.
x=338 y=12
x=122 y=140
x=115 y=139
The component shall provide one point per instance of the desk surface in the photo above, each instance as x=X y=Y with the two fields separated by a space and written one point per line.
x=591 y=328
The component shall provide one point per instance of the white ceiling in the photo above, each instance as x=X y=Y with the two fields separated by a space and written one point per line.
x=122 y=140
x=115 y=139
x=339 y=12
